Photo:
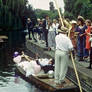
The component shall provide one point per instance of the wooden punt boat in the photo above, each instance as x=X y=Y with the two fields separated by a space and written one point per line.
x=48 y=84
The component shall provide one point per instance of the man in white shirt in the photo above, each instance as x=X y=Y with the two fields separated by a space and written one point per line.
x=63 y=46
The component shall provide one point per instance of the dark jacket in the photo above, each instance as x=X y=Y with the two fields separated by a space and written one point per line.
x=30 y=25
x=44 y=24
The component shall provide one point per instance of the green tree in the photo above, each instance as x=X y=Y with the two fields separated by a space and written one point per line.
x=13 y=14
x=42 y=13
x=78 y=7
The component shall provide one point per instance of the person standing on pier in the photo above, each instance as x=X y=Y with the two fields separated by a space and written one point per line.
x=90 y=64
x=45 y=29
x=30 y=28
x=63 y=46
x=82 y=52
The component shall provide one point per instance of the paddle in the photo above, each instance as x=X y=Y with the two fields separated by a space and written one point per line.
x=26 y=57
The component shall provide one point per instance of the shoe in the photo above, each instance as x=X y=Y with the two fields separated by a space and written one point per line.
x=35 y=40
x=30 y=38
x=49 y=49
x=89 y=67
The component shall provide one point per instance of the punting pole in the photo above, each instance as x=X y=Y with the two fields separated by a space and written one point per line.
x=59 y=13
x=75 y=69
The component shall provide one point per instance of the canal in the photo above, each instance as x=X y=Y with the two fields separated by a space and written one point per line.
x=8 y=81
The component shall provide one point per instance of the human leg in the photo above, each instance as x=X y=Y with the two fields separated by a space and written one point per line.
x=57 y=61
x=90 y=59
x=46 y=37
x=63 y=67
x=29 y=34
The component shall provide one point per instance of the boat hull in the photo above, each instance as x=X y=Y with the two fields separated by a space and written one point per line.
x=46 y=83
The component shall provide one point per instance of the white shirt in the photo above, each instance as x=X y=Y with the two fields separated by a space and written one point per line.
x=55 y=26
x=44 y=61
x=63 y=43
x=51 y=28
x=46 y=24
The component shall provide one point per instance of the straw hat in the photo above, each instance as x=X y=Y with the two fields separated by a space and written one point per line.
x=73 y=22
x=80 y=18
x=15 y=54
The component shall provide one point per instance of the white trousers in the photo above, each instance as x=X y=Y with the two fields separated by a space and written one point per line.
x=61 y=65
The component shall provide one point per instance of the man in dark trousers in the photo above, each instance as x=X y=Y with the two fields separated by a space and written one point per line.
x=30 y=28
x=45 y=29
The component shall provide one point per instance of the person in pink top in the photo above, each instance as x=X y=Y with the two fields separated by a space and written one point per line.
x=87 y=32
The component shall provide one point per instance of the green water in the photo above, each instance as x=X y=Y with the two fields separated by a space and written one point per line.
x=10 y=83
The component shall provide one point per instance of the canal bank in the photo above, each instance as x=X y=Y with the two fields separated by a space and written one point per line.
x=85 y=74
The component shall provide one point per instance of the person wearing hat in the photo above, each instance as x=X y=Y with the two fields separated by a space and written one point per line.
x=81 y=39
x=16 y=57
x=63 y=46
x=72 y=34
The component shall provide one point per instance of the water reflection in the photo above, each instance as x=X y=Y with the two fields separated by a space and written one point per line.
x=11 y=83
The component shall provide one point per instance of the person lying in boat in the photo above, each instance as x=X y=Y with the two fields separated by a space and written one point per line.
x=30 y=67
x=45 y=64
x=34 y=66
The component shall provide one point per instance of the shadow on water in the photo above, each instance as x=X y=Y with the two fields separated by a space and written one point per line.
x=8 y=81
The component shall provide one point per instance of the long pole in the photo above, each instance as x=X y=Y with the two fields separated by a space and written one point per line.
x=75 y=69
x=59 y=13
